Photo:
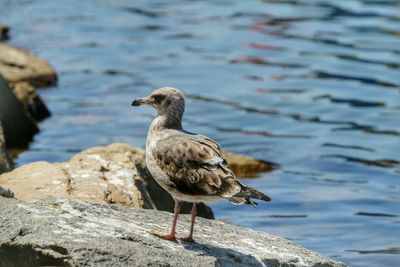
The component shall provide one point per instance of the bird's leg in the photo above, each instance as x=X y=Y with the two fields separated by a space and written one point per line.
x=177 y=210
x=172 y=235
x=194 y=213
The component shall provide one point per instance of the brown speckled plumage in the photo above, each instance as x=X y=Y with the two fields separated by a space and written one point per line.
x=196 y=166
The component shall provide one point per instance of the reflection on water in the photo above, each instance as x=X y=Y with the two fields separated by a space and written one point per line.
x=311 y=85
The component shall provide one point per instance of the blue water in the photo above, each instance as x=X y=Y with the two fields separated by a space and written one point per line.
x=311 y=85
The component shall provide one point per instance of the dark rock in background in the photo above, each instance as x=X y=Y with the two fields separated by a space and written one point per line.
x=31 y=100
x=4 y=32
x=20 y=105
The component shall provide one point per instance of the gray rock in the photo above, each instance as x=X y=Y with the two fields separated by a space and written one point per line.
x=5 y=161
x=60 y=232
x=18 y=126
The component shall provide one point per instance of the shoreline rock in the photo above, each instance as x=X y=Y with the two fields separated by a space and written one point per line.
x=114 y=174
x=65 y=219
x=102 y=175
x=19 y=72
x=18 y=126
x=60 y=232
x=18 y=65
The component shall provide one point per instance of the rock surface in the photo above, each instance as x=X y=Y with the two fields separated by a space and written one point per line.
x=18 y=126
x=5 y=161
x=17 y=64
x=102 y=175
x=115 y=174
x=60 y=232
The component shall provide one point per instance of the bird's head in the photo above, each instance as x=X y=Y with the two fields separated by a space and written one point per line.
x=167 y=101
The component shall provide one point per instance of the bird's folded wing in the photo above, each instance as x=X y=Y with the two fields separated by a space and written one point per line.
x=196 y=166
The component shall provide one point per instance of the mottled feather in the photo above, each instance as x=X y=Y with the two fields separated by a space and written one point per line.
x=196 y=165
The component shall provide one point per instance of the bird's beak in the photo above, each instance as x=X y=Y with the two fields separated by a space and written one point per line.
x=141 y=101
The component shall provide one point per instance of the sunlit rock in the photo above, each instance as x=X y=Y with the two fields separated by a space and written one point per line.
x=17 y=64
x=114 y=174
x=102 y=175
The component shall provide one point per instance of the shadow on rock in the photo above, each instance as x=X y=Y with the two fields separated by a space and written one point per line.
x=224 y=256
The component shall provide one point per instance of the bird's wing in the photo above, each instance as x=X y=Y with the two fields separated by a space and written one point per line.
x=196 y=165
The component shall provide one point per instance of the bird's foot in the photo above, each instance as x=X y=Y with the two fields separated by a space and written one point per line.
x=186 y=239
x=170 y=236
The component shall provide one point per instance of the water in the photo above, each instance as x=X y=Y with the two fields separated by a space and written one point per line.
x=311 y=85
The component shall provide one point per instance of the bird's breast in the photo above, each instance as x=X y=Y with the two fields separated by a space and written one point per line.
x=161 y=178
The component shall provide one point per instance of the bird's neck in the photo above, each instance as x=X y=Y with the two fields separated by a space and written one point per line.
x=164 y=121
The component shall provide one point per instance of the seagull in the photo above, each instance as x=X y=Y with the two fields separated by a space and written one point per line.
x=191 y=167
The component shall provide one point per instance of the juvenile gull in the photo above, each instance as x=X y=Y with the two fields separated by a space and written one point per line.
x=191 y=167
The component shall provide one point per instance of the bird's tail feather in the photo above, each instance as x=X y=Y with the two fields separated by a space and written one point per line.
x=253 y=193
x=245 y=196
x=248 y=192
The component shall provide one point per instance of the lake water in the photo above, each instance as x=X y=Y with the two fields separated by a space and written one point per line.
x=311 y=85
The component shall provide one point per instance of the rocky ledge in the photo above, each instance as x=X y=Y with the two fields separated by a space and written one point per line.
x=114 y=174
x=61 y=232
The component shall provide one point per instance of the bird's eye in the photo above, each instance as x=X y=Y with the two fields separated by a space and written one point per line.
x=158 y=98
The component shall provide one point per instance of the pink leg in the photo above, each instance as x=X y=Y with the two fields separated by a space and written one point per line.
x=172 y=234
x=194 y=213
